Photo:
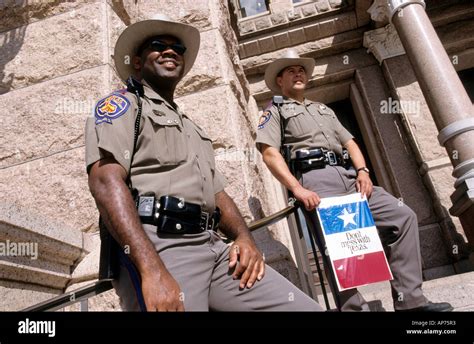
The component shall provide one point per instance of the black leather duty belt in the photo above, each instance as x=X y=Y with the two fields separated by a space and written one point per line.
x=173 y=215
x=310 y=159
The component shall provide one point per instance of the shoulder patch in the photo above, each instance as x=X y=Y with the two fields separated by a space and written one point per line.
x=264 y=118
x=110 y=108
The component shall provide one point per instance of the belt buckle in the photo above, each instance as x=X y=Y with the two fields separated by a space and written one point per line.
x=204 y=220
x=332 y=158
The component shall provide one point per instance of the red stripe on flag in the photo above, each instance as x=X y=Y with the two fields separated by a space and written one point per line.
x=361 y=270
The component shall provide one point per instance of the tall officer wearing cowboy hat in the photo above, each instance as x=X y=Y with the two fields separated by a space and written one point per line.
x=312 y=129
x=179 y=262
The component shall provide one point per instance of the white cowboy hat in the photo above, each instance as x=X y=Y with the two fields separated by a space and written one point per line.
x=289 y=58
x=134 y=36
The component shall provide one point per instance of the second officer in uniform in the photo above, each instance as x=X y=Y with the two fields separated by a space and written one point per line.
x=312 y=130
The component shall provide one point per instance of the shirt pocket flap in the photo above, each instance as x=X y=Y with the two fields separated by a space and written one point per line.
x=291 y=114
x=325 y=111
x=163 y=120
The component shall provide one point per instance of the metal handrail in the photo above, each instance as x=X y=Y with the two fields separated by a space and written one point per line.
x=102 y=286
x=269 y=220
x=72 y=297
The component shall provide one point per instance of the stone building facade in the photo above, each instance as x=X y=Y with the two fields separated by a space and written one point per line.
x=56 y=61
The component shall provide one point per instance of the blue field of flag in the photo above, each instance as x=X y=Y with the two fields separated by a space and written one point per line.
x=346 y=217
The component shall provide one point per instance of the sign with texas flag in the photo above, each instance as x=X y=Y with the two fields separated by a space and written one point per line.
x=352 y=241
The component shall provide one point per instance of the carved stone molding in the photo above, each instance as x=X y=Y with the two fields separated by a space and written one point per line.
x=384 y=10
x=379 y=11
x=383 y=43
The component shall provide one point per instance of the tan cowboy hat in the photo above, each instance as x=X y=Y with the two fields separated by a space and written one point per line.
x=289 y=58
x=134 y=35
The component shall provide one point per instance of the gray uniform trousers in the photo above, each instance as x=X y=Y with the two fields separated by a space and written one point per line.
x=398 y=230
x=199 y=263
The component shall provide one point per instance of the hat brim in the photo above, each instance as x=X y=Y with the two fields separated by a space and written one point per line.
x=276 y=66
x=134 y=35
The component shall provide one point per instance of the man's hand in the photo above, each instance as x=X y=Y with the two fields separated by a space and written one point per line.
x=277 y=165
x=364 y=184
x=244 y=255
x=162 y=293
x=309 y=198
x=251 y=265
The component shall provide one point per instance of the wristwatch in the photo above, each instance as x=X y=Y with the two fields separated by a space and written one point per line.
x=365 y=169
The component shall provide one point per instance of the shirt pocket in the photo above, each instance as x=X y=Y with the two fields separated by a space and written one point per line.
x=328 y=118
x=296 y=124
x=169 y=140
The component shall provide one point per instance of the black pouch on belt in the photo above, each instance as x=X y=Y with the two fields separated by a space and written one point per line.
x=173 y=215
x=307 y=160
x=176 y=216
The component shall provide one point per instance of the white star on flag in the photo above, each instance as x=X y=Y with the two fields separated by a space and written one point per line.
x=348 y=218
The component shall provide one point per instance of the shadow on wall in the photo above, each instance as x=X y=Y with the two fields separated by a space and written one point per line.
x=255 y=207
x=10 y=44
x=121 y=11
x=456 y=245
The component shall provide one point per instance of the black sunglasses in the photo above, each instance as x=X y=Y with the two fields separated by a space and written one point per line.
x=159 y=46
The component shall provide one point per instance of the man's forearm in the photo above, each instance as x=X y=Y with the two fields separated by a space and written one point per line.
x=356 y=155
x=232 y=223
x=117 y=209
x=277 y=165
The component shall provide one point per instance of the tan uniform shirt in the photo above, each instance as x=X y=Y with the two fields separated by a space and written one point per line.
x=308 y=125
x=173 y=155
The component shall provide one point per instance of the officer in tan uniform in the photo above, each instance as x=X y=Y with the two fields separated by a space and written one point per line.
x=174 y=260
x=312 y=130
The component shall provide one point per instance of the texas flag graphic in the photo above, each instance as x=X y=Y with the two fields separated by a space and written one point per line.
x=352 y=241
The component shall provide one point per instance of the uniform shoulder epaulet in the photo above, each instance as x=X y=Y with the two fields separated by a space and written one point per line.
x=121 y=91
x=321 y=105
x=268 y=106
x=111 y=107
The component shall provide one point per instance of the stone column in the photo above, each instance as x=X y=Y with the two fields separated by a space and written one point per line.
x=446 y=97
x=420 y=171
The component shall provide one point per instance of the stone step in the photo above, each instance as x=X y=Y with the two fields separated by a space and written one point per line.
x=37 y=255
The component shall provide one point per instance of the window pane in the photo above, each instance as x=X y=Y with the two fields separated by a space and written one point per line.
x=252 y=7
x=295 y=1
